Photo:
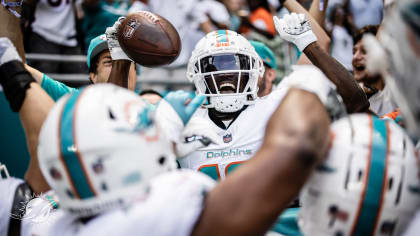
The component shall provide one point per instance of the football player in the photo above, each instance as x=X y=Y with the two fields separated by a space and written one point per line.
x=368 y=184
x=225 y=68
x=397 y=58
x=103 y=151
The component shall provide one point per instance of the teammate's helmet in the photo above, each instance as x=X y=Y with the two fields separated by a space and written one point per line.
x=225 y=67
x=99 y=148
x=400 y=37
x=367 y=186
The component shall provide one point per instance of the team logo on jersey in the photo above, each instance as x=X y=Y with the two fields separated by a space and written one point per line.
x=227 y=138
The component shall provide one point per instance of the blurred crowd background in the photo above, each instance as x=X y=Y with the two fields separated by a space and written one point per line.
x=57 y=33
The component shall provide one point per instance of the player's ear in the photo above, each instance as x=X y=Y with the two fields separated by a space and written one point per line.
x=93 y=77
x=271 y=75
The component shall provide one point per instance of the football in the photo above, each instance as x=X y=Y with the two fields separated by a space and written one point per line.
x=149 y=39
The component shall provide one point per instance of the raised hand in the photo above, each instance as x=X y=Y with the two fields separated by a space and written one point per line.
x=295 y=28
x=113 y=45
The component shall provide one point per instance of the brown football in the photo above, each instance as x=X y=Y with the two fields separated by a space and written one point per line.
x=149 y=39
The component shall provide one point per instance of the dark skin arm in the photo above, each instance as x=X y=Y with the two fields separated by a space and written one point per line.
x=249 y=201
x=119 y=73
x=353 y=96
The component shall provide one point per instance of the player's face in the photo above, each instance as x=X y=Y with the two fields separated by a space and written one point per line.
x=229 y=82
x=103 y=69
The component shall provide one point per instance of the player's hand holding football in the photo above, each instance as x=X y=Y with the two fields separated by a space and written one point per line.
x=295 y=28
x=113 y=45
x=8 y=51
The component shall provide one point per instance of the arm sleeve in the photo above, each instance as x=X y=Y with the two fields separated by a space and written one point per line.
x=54 y=88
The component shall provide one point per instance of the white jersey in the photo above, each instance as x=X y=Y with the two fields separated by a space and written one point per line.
x=172 y=207
x=55 y=21
x=240 y=141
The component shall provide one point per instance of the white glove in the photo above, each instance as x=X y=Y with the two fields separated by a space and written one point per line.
x=113 y=45
x=197 y=134
x=295 y=28
x=8 y=51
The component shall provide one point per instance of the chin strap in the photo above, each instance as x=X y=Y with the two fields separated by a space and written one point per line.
x=9 y=5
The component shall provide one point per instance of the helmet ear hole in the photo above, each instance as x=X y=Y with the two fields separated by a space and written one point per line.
x=111 y=115
x=162 y=160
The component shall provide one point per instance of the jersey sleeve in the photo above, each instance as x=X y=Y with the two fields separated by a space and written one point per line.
x=54 y=88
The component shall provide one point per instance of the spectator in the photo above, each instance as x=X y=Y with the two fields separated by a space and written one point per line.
x=99 y=62
x=100 y=14
x=366 y=12
x=233 y=7
x=214 y=16
x=260 y=19
x=265 y=83
x=378 y=93
x=51 y=28
x=341 y=37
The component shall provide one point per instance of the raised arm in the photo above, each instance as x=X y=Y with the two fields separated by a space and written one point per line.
x=274 y=176
x=33 y=104
x=353 y=96
x=294 y=28
x=323 y=38
x=121 y=63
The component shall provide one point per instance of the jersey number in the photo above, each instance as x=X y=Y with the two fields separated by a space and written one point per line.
x=213 y=170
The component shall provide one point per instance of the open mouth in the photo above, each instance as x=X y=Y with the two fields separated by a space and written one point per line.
x=360 y=67
x=227 y=88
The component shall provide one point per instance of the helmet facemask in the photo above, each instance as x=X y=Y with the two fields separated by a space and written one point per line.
x=228 y=80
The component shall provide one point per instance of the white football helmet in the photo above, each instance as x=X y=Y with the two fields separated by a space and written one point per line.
x=98 y=149
x=398 y=58
x=225 y=67
x=367 y=186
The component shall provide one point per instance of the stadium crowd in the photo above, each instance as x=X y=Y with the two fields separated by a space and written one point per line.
x=296 y=117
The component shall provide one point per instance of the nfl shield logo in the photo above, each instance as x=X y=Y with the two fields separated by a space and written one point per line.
x=227 y=138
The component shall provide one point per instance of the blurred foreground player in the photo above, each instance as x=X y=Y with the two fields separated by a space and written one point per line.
x=400 y=46
x=26 y=97
x=368 y=184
